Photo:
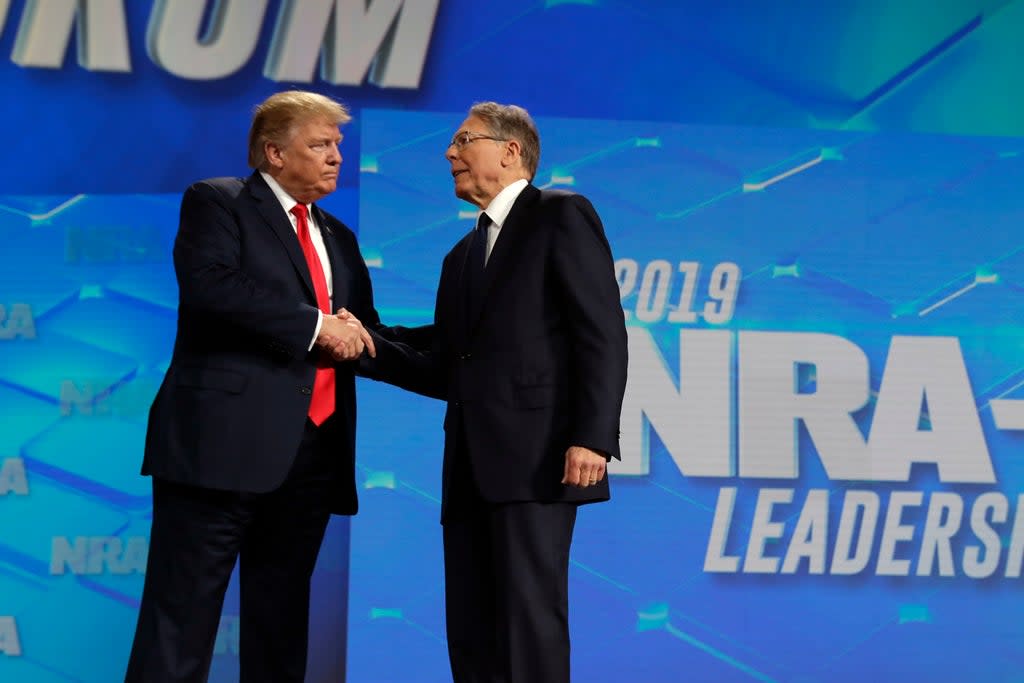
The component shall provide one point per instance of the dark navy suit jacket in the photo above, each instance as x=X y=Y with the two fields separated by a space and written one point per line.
x=231 y=410
x=538 y=366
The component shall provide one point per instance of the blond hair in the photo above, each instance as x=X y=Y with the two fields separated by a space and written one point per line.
x=276 y=118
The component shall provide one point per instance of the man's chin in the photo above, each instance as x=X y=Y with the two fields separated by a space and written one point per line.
x=325 y=187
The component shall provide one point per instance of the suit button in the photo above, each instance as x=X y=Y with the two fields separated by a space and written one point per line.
x=308 y=391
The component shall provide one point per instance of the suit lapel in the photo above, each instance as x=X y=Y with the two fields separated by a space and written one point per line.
x=336 y=255
x=509 y=244
x=271 y=211
x=460 y=296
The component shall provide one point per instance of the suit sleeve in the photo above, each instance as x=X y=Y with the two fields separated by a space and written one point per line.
x=403 y=364
x=406 y=356
x=207 y=260
x=585 y=275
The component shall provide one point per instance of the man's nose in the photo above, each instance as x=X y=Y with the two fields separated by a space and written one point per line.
x=450 y=154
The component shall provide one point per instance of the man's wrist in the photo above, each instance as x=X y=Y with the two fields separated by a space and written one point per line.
x=316 y=331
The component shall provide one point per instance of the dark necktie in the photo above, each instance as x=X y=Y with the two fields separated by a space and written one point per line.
x=322 y=405
x=476 y=263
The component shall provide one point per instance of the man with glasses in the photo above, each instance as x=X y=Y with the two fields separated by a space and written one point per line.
x=528 y=347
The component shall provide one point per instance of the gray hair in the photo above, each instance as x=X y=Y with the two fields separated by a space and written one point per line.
x=511 y=122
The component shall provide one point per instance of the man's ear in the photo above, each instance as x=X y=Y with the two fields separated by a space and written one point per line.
x=273 y=154
x=513 y=153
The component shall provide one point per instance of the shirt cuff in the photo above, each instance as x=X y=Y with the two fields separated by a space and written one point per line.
x=316 y=332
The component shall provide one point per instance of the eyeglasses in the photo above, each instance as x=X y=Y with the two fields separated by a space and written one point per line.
x=465 y=137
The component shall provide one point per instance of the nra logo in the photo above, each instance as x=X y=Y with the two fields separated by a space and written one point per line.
x=92 y=555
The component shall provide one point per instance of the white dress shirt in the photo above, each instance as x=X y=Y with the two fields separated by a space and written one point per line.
x=498 y=210
x=287 y=202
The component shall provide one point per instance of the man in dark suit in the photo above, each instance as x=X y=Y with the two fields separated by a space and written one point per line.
x=251 y=437
x=528 y=347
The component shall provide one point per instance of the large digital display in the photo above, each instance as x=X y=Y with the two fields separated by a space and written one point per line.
x=821 y=432
x=813 y=209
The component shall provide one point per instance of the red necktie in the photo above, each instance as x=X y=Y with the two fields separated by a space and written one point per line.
x=322 y=405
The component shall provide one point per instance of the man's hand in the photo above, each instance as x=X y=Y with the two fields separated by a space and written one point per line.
x=346 y=316
x=344 y=339
x=583 y=467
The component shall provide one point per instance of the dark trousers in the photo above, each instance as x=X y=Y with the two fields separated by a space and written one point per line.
x=506 y=587
x=197 y=535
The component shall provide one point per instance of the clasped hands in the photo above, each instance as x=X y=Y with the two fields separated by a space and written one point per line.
x=343 y=336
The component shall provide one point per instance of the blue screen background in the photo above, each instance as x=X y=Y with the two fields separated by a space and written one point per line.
x=861 y=164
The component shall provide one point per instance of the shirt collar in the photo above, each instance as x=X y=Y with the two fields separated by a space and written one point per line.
x=501 y=205
x=287 y=201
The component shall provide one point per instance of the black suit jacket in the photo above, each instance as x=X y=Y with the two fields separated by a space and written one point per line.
x=231 y=410
x=539 y=367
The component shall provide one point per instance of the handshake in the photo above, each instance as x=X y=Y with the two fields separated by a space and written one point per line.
x=344 y=337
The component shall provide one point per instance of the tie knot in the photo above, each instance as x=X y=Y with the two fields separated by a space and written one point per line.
x=299 y=211
x=483 y=222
